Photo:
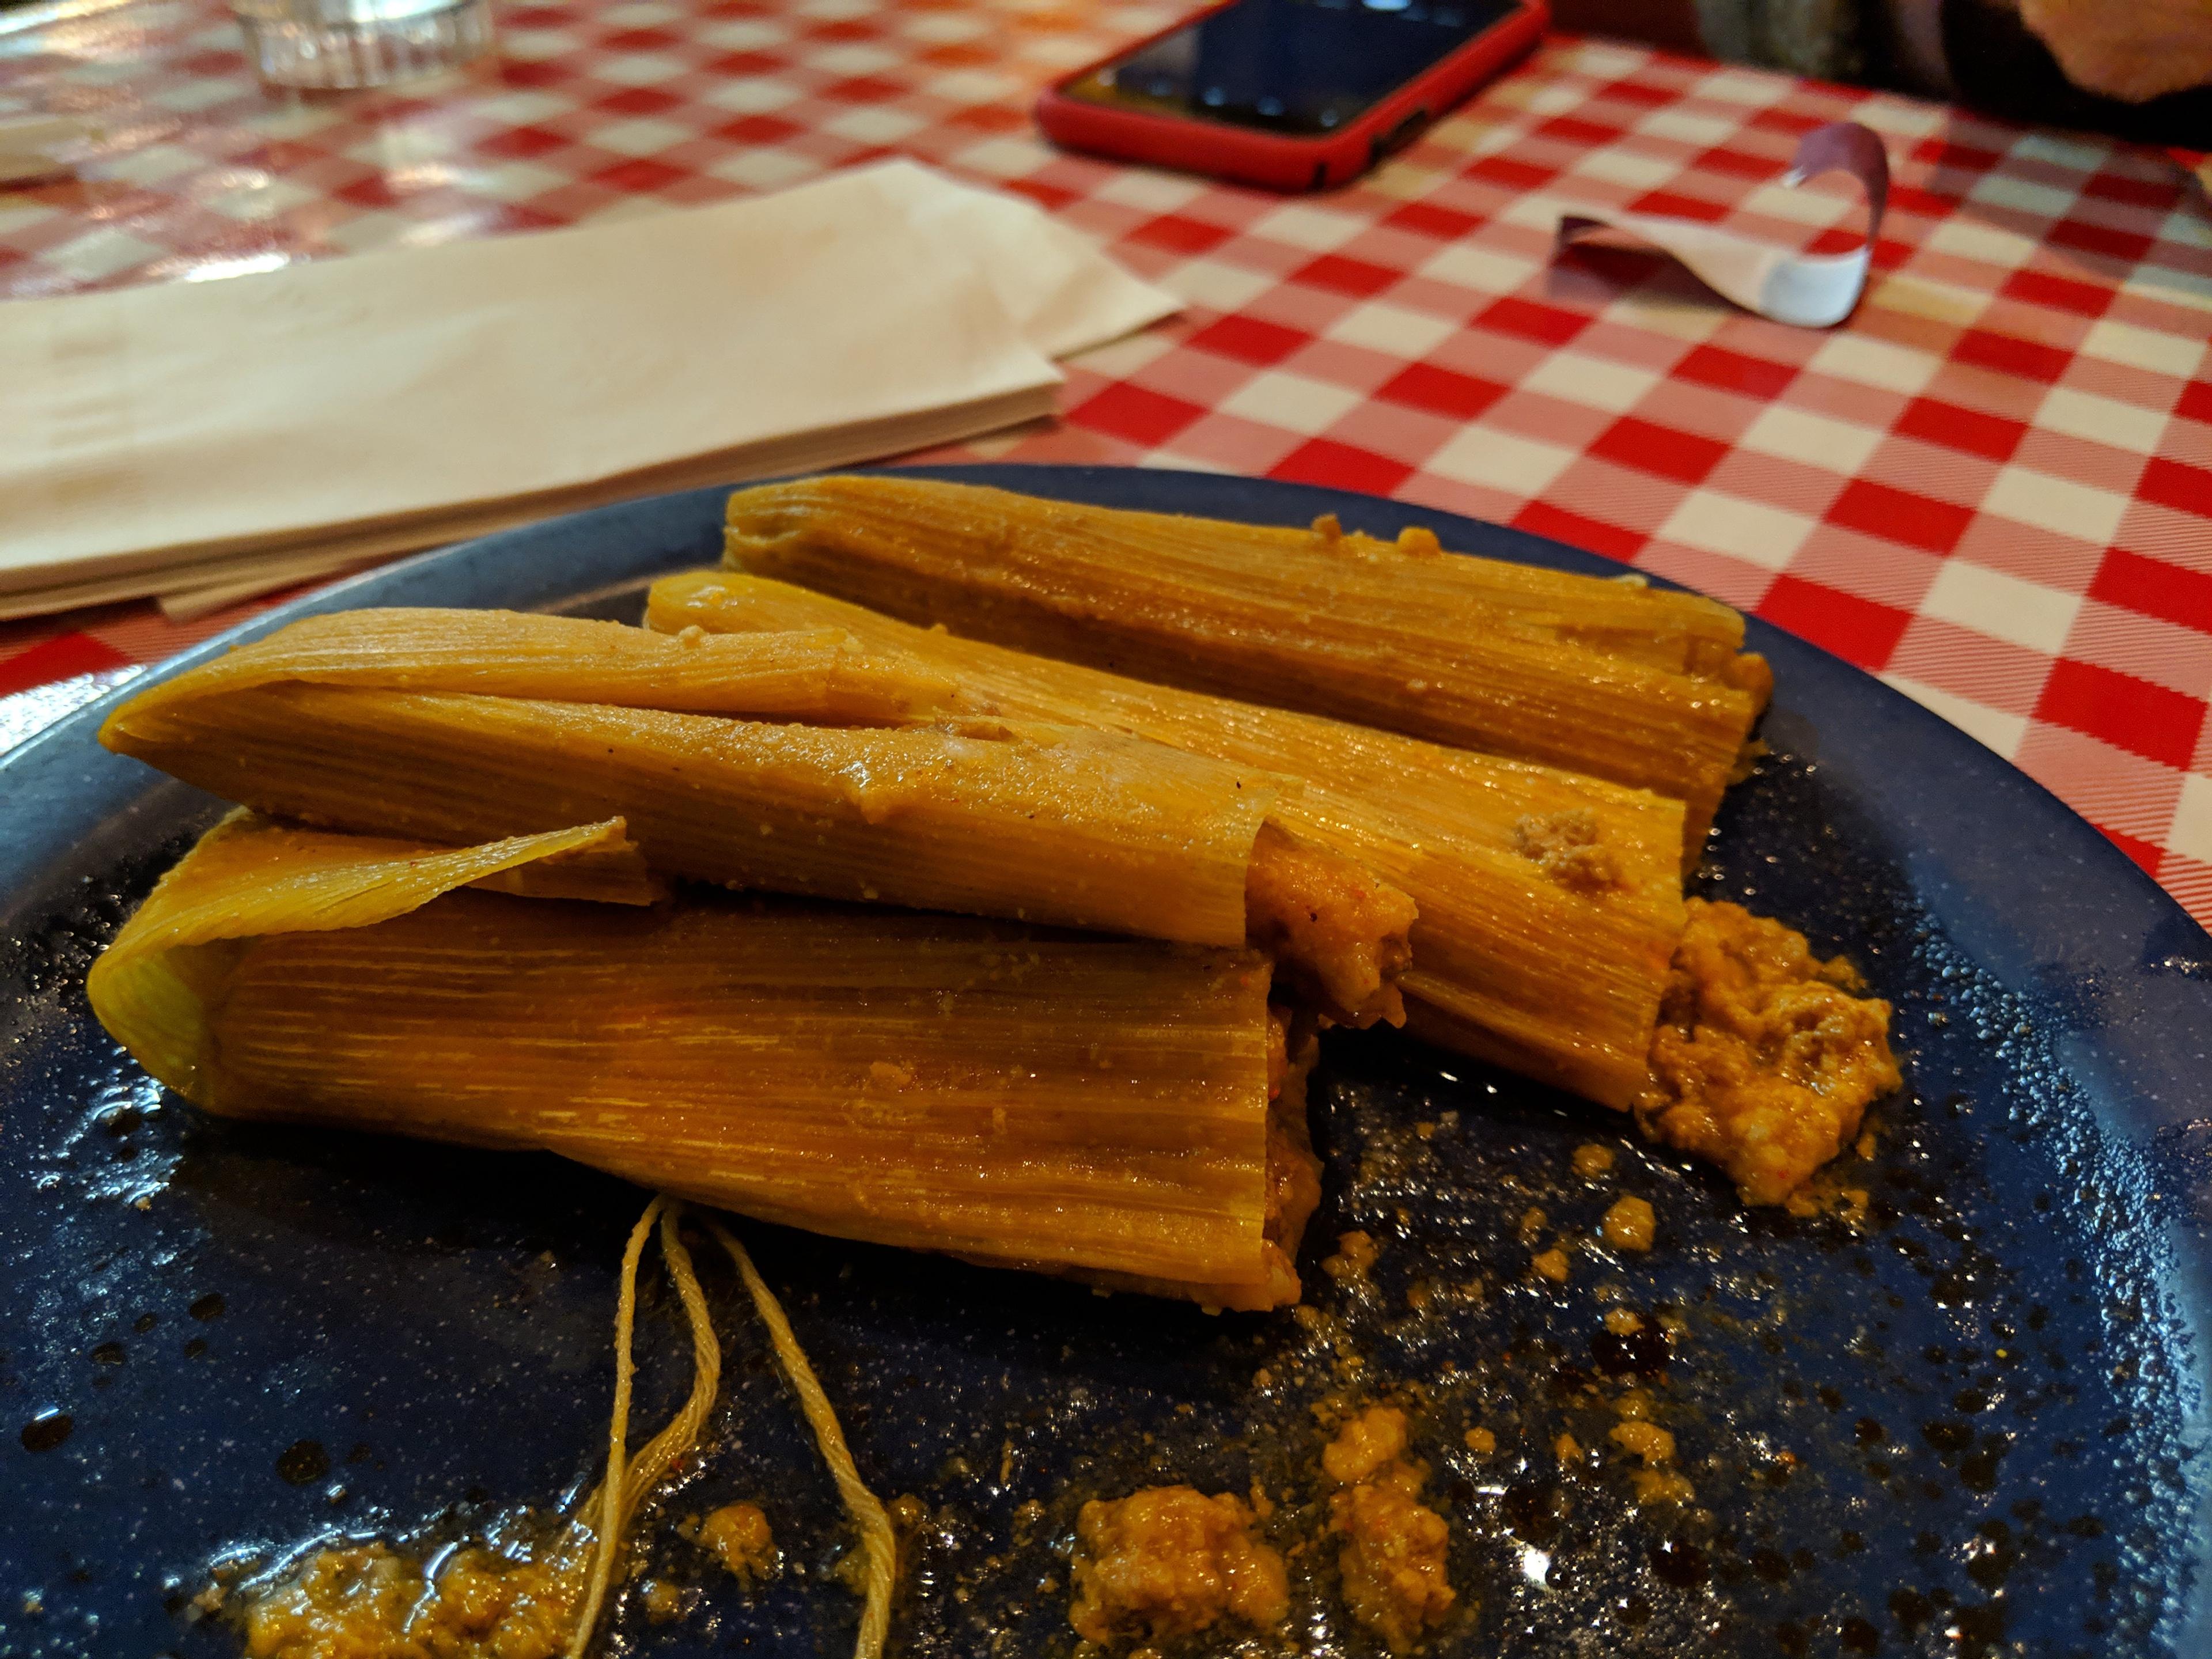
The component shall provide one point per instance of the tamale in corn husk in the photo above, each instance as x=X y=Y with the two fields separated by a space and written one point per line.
x=1644 y=688
x=1550 y=902
x=1081 y=1103
x=384 y=725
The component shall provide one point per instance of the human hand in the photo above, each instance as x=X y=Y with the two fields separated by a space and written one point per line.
x=2131 y=50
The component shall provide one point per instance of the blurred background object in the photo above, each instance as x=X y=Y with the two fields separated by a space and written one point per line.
x=343 y=44
x=2137 y=69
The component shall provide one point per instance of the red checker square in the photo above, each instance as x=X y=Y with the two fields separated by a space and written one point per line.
x=1341 y=465
x=845 y=28
x=1737 y=164
x=739 y=65
x=2113 y=789
x=1514 y=174
x=372 y=191
x=864 y=89
x=2028 y=359
x=1441 y=391
x=1635 y=92
x=1735 y=371
x=1650 y=447
x=2156 y=588
x=62 y=658
x=1178 y=235
x=1145 y=418
x=756 y=129
x=1934 y=421
x=2105 y=241
x=525 y=72
x=2043 y=288
x=1900 y=515
x=1579 y=530
x=1797 y=123
x=2161 y=193
x=1858 y=630
x=1340 y=274
x=2177 y=484
x=2128 y=713
x=520 y=144
x=2195 y=403
x=2160 y=533
x=1865 y=567
x=638 y=40
x=1532 y=319
x=641 y=175
x=1574 y=130
x=959 y=54
x=988 y=117
x=1731 y=581
x=1968 y=664
x=638 y=100
x=1248 y=339
x=1676 y=205
x=1426 y=219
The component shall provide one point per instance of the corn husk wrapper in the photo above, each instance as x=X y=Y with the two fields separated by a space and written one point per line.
x=1062 y=825
x=1076 y=1103
x=1552 y=966
x=1643 y=688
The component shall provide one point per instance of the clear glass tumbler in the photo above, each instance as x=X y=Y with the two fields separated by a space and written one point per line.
x=333 y=43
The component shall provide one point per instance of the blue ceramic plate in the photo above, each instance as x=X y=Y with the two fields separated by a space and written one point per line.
x=1970 y=1427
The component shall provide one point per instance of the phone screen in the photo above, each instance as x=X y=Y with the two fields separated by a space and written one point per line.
x=1290 y=66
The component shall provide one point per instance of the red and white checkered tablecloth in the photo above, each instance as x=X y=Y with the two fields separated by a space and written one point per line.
x=1993 y=486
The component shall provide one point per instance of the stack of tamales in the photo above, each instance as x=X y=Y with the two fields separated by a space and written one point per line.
x=798 y=908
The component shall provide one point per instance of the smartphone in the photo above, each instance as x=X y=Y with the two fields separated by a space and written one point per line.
x=1296 y=95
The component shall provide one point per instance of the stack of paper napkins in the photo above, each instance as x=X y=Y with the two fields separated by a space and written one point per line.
x=201 y=441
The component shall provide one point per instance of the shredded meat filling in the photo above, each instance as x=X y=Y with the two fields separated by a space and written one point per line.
x=1766 y=1058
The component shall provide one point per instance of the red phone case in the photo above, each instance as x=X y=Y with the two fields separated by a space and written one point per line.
x=1266 y=158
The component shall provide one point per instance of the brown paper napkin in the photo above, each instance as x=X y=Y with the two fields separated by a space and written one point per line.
x=205 y=440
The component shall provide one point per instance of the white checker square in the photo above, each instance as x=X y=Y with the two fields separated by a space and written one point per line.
x=639 y=136
x=1606 y=61
x=1215 y=284
x=1798 y=435
x=1502 y=460
x=1120 y=359
x=21 y=214
x=190 y=97
x=943 y=28
x=1974 y=239
x=751 y=94
x=2083 y=155
x=2079 y=510
x=534 y=45
x=1150 y=193
x=1679 y=316
x=2186 y=288
x=1547 y=98
x=1768 y=536
x=1776 y=200
x=1296 y=403
x=1615 y=165
x=970 y=86
x=1392 y=330
x=517 y=181
x=2152 y=348
x=851 y=58
x=2101 y=420
x=1536 y=211
x=2187 y=226
x=1486 y=270
x=1059 y=52
x=520 y=107
x=873 y=123
x=1592 y=382
x=2004 y=607
x=1875 y=362
x=102 y=252
x=1751 y=88
x=2191 y=835
x=835 y=11
x=1687 y=126
x=1940 y=302
x=1003 y=157
x=640 y=69
x=1992 y=727
x=152 y=165
x=2001 y=190
x=763 y=169
x=1314 y=228
x=740 y=33
x=639 y=15
x=257 y=198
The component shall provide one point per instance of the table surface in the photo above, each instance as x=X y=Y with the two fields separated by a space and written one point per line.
x=1992 y=486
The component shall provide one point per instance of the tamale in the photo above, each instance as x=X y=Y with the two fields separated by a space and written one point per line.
x=1068 y=826
x=1550 y=903
x=1641 y=687
x=1085 y=1104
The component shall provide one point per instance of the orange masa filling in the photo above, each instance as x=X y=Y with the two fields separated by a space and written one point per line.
x=1170 y=1562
